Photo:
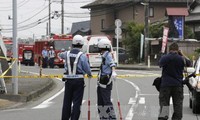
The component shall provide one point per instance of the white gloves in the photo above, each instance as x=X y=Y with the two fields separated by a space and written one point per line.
x=114 y=75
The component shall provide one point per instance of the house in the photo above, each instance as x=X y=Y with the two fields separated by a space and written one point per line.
x=82 y=28
x=193 y=20
x=105 y=12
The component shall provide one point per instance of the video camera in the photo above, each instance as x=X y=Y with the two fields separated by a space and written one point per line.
x=186 y=81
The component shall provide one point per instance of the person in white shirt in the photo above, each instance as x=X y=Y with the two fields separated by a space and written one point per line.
x=51 y=57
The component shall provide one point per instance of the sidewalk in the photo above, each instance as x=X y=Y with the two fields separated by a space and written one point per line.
x=137 y=67
x=28 y=89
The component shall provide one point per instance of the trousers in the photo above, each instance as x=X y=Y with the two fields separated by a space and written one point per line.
x=164 y=99
x=74 y=89
x=105 y=107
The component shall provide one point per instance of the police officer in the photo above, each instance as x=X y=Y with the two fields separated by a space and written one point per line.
x=107 y=71
x=51 y=57
x=44 y=57
x=77 y=66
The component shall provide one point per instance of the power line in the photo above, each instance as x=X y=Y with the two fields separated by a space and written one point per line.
x=19 y=5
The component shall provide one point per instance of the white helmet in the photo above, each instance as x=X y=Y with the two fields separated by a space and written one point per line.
x=104 y=43
x=77 y=40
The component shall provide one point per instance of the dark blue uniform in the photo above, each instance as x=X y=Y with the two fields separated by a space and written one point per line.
x=74 y=85
x=172 y=85
x=105 y=106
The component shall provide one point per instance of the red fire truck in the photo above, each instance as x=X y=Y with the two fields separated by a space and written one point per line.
x=8 y=43
x=26 y=54
x=58 y=42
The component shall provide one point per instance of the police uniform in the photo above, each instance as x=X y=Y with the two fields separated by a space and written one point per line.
x=51 y=58
x=76 y=67
x=105 y=106
x=44 y=58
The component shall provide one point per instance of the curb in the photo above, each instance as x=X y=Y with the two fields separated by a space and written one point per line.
x=30 y=96
x=138 y=68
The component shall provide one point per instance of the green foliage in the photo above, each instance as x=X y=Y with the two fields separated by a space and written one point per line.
x=188 y=34
x=156 y=31
x=133 y=34
x=132 y=41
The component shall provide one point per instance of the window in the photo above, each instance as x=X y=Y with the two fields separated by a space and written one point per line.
x=151 y=12
x=102 y=23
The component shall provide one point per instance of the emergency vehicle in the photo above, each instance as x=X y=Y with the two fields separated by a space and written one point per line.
x=8 y=43
x=26 y=54
x=90 y=48
x=58 y=42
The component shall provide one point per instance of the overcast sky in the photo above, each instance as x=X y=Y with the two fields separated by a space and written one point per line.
x=31 y=11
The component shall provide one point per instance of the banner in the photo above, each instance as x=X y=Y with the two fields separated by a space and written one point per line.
x=164 y=40
x=179 y=24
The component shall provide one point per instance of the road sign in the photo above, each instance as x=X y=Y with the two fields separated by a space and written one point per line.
x=119 y=36
x=118 y=31
x=118 y=23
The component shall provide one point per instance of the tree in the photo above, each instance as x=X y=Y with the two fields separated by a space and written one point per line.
x=132 y=40
x=133 y=33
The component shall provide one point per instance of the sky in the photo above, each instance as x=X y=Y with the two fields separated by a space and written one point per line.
x=32 y=12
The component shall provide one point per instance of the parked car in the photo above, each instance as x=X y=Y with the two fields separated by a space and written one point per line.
x=194 y=95
x=123 y=55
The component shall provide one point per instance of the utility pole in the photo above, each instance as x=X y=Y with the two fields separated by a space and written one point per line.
x=49 y=18
x=15 y=50
x=62 y=18
x=146 y=29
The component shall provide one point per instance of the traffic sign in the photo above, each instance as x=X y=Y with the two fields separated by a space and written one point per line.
x=119 y=36
x=118 y=31
x=118 y=23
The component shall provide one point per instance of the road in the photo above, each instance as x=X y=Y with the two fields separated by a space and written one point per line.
x=137 y=96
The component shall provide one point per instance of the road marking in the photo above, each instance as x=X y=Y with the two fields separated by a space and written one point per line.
x=142 y=100
x=47 y=102
x=131 y=101
x=131 y=110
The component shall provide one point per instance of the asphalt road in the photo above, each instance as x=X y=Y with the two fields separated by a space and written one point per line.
x=137 y=96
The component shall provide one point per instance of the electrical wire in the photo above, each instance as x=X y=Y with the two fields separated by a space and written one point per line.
x=9 y=8
x=31 y=16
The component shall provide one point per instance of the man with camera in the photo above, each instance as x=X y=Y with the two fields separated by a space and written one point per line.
x=172 y=65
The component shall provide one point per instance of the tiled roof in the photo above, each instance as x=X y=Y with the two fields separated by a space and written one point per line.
x=82 y=26
x=113 y=2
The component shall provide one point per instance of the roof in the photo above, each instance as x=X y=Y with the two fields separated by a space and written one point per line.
x=81 y=26
x=177 y=12
x=113 y=2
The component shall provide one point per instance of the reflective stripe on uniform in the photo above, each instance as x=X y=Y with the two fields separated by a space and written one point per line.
x=73 y=76
x=74 y=65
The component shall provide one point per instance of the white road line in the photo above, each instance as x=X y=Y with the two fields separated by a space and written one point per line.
x=131 y=110
x=47 y=102
x=142 y=100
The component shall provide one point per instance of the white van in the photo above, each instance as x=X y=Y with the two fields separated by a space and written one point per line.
x=91 y=50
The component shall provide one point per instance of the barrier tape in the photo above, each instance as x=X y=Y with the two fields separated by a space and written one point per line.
x=8 y=68
x=61 y=76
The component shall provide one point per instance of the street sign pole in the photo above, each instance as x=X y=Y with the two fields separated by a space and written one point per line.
x=118 y=33
x=15 y=50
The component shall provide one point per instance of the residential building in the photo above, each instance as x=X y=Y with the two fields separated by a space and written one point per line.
x=105 y=12
x=82 y=28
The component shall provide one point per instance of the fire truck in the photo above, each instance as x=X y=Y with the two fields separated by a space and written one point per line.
x=8 y=43
x=58 y=42
x=26 y=54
